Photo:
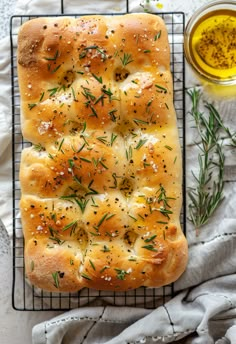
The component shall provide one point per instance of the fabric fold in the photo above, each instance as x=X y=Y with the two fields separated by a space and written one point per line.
x=190 y=312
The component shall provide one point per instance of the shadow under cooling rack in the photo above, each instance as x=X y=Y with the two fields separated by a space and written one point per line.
x=26 y=297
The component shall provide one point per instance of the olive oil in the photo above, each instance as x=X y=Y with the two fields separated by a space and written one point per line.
x=213 y=44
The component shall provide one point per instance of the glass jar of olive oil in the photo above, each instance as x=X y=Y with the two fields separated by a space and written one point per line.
x=210 y=42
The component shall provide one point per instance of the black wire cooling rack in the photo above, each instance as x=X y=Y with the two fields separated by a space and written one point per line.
x=27 y=297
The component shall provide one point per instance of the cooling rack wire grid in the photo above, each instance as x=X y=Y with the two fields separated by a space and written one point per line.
x=27 y=297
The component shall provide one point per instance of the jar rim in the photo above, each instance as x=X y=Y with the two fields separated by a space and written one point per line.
x=202 y=11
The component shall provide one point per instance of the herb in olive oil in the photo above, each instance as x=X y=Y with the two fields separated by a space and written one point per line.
x=213 y=44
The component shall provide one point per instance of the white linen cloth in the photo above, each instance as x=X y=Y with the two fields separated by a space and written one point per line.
x=204 y=311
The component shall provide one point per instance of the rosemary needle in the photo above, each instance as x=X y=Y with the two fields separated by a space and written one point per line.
x=207 y=194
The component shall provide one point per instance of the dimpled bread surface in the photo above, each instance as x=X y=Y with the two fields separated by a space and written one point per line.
x=102 y=182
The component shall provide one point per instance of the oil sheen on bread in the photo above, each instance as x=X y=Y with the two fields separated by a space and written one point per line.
x=102 y=182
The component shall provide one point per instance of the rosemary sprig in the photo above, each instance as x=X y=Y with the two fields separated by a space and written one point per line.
x=139 y=121
x=53 y=91
x=161 y=89
x=87 y=277
x=55 y=279
x=83 y=54
x=60 y=145
x=52 y=58
x=73 y=93
x=32 y=105
x=113 y=137
x=164 y=200
x=92 y=264
x=126 y=59
x=80 y=201
x=207 y=195
x=229 y=134
x=140 y=144
x=150 y=239
x=100 y=221
x=157 y=36
x=121 y=274
x=71 y=225
x=149 y=248
x=38 y=147
x=98 y=78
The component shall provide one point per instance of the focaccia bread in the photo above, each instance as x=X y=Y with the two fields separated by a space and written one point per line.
x=101 y=184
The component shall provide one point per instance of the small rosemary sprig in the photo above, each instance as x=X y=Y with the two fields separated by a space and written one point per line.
x=146 y=5
x=38 y=147
x=207 y=195
x=55 y=277
x=216 y=115
x=126 y=59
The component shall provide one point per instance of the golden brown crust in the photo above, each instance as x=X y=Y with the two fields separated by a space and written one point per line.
x=101 y=185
